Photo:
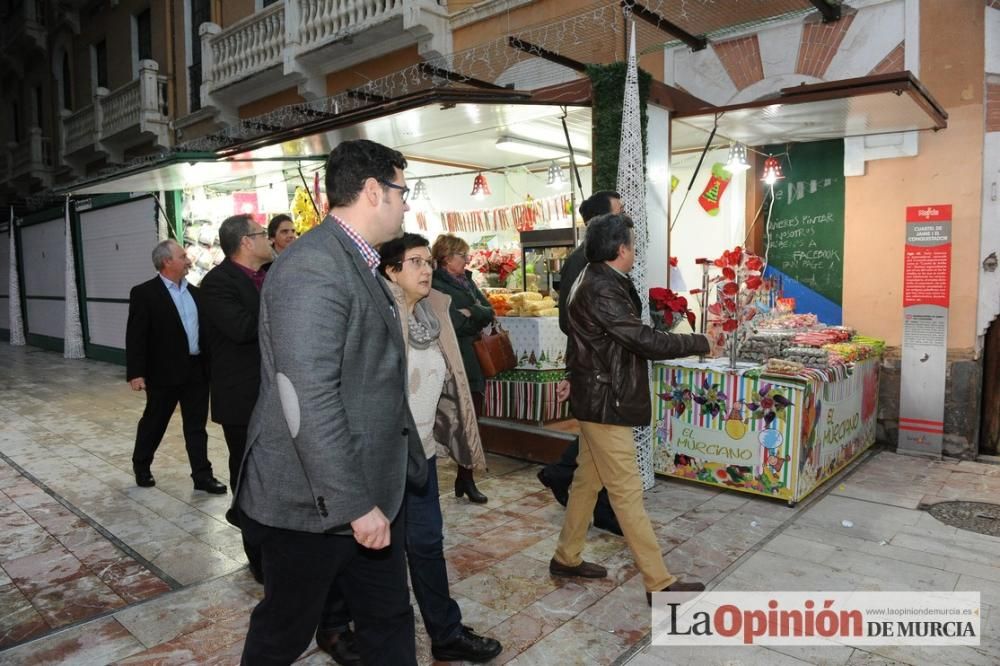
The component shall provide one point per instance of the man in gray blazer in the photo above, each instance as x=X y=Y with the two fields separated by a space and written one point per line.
x=331 y=441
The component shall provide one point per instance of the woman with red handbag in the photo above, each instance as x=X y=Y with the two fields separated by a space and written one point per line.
x=470 y=313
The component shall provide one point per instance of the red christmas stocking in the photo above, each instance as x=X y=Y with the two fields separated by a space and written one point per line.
x=717 y=184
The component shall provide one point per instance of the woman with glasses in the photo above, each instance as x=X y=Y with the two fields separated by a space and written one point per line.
x=470 y=314
x=442 y=409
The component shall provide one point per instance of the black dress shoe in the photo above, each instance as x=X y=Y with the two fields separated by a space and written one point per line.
x=144 y=479
x=339 y=645
x=211 y=485
x=677 y=586
x=467 y=646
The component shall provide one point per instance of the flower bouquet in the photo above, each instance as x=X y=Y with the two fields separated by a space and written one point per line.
x=494 y=264
x=668 y=309
x=734 y=307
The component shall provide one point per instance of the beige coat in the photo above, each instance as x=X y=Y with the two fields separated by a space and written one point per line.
x=455 y=425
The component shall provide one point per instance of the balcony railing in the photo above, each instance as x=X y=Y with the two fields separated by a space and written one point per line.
x=249 y=46
x=31 y=156
x=294 y=37
x=138 y=105
x=82 y=128
x=321 y=21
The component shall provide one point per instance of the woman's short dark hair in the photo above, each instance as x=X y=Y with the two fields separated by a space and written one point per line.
x=597 y=203
x=352 y=163
x=392 y=252
x=272 y=226
x=606 y=234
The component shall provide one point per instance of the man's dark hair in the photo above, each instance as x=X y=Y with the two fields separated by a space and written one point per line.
x=392 y=252
x=598 y=203
x=272 y=226
x=607 y=233
x=352 y=163
x=232 y=230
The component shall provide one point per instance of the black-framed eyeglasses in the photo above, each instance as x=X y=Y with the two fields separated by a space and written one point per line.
x=403 y=190
x=420 y=262
x=257 y=233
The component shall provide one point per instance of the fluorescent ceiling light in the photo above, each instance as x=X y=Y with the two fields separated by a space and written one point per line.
x=513 y=144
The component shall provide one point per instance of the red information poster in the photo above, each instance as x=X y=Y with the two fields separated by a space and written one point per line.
x=926 y=295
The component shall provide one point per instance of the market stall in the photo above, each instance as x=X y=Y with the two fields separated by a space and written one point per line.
x=780 y=427
x=528 y=393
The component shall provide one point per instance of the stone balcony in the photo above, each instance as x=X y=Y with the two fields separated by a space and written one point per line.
x=28 y=163
x=130 y=116
x=299 y=42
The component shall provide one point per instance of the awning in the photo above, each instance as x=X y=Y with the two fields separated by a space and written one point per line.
x=180 y=171
x=880 y=104
x=442 y=128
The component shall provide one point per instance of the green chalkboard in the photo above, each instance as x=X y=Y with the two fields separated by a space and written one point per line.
x=805 y=236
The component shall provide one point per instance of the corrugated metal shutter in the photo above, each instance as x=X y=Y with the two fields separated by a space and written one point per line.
x=117 y=242
x=43 y=249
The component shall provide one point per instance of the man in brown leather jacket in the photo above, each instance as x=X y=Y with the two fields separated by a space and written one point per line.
x=607 y=355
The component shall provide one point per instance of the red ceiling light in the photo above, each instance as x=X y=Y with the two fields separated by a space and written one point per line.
x=480 y=188
x=772 y=170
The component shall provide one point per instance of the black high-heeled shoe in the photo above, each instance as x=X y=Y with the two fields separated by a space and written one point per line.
x=466 y=485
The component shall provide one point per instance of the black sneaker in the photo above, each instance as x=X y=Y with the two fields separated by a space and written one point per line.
x=467 y=646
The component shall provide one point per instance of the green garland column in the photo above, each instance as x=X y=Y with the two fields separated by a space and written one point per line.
x=608 y=94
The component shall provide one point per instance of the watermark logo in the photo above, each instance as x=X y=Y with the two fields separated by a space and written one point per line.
x=816 y=618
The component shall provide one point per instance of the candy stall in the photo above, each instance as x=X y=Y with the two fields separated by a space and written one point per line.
x=789 y=402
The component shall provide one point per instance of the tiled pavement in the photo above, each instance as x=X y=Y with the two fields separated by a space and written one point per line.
x=94 y=570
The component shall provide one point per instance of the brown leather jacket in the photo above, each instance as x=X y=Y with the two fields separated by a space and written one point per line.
x=608 y=349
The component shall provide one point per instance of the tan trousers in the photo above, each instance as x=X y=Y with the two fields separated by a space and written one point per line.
x=607 y=458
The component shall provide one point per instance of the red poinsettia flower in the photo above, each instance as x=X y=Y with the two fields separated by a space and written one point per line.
x=728 y=273
x=729 y=304
x=730 y=325
x=755 y=263
x=730 y=289
x=754 y=282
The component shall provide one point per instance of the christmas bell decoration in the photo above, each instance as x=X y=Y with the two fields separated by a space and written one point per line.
x=420 y=191
x=737 y=158
x=772 y=170
x=555 y=176
x=480 y=188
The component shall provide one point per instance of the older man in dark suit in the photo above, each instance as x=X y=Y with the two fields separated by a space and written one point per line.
x=163 y=357
x=331 y=442
x=230 y=297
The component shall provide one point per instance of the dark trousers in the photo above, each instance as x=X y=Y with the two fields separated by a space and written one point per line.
x=428 y=571
x=425 y=556
x=299 y=570
x=236 y=442
x=161 y=401
x=559 y=476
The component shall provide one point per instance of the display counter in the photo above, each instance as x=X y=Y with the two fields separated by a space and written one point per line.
x=775 y=435
x=528 y=393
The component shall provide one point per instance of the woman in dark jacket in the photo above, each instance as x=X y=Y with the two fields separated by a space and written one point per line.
x=470 y=313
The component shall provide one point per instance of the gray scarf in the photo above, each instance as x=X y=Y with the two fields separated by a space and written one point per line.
x=424 y=327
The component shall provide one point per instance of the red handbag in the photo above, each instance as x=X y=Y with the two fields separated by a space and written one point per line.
x=494 y=351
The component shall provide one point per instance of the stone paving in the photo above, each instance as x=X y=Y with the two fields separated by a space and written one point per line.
x=94 y=570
